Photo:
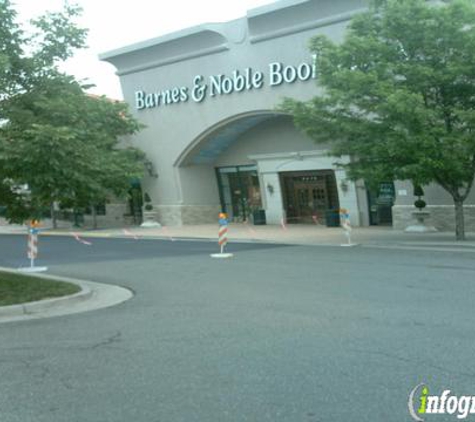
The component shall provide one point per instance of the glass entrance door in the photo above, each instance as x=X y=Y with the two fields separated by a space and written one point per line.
x=381 y=201
x=239 y=191
x=311 y=201
x=309 y=196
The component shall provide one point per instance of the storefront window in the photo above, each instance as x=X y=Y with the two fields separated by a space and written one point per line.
x=239 y=191
x=381 y=200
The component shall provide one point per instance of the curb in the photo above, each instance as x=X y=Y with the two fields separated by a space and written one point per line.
x=39 y=306
x=87 y=235
x=92 y=296
x=396 y=243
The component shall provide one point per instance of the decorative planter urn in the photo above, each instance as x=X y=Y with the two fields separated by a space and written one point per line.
x=420 y=226
x=150 y=219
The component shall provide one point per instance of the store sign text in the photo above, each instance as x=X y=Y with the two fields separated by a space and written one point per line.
x=217 y=85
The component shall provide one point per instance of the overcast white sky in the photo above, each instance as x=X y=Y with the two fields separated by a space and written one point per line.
x=115 y=23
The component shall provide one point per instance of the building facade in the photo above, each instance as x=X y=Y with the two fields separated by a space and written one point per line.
x=209 y=98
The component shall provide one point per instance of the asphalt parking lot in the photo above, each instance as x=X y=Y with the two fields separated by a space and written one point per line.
x=278 y=333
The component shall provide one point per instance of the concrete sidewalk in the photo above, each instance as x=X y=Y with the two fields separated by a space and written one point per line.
x=288 y=234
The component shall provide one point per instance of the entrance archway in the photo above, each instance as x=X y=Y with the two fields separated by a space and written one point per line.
x=211 y=143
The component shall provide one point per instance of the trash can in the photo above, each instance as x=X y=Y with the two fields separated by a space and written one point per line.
x=259 y=217
x=332 y=218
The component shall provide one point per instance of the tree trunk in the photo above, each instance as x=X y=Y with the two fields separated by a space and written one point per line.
x=459 y=219
x=53 y=216
x=94 y=217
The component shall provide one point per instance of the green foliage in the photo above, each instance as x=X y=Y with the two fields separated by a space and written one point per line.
x=399 y=94
x=19 y=288
x=66 y=146
x=56 y=37
x=10 y=48
x=418 y=191
x=63 y=144
x=27 y=59
x=148 y=202
x=420 y=204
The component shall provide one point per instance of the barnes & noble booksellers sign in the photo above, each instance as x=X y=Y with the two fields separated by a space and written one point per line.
x=217 y=85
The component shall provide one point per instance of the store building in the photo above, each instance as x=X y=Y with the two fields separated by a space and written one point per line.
x=208 y=96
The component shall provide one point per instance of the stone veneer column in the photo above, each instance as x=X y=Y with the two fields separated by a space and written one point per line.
x=348 y=196
x=273 y=202
x=177 y=215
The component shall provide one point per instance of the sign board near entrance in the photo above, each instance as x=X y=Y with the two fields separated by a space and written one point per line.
x=221 y=84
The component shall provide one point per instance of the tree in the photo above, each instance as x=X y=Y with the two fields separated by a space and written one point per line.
x=63 y=144
x=28 y=59
x=399 y=96
x=57 y=140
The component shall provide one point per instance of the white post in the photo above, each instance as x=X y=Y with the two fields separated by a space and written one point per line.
x=348 y=235
x=33 y=251
x=222 y=237
x=32 y=247
x=346 y=226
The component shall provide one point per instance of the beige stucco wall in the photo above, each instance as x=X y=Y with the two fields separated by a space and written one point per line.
x=175 y=133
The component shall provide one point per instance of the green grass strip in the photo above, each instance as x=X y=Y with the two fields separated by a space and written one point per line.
x=19 y=288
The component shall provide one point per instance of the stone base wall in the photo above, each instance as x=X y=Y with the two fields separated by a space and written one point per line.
x=115 y=217
x=177 y=215
x=442 y=217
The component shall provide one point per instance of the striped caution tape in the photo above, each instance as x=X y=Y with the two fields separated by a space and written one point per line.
x=282 y=223
x=249 y=228
x=80 y=240
x=315 y=219
x=222 y=237
x=130 y=234
x=167 y=233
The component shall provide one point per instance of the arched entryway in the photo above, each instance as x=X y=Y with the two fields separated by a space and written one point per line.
x=258 y=165
x=210 y=144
